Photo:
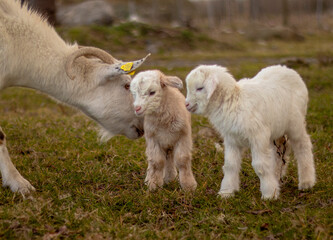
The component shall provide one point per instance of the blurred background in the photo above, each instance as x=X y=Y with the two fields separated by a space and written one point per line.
x=225 y=15
x=213 y=29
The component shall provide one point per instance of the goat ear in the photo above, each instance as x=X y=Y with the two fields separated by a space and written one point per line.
x=172 y=81
x=125 y=67
x=210 y=85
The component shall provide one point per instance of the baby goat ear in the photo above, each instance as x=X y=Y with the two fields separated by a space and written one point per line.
x=210 y=85
x=172 y=81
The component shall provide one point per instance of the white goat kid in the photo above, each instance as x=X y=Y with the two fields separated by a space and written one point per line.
x=32 y=55
x=167 y=126
x=253 y=113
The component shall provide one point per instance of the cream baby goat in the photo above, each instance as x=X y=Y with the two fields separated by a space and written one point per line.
x=253 y=113
x=167 y=126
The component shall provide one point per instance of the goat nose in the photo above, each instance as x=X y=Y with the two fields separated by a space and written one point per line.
x=137 y=108
x=187 y=104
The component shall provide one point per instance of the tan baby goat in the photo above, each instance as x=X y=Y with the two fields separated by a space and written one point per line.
x=167 y=126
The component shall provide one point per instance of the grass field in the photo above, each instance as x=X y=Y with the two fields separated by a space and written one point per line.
x=88 y=190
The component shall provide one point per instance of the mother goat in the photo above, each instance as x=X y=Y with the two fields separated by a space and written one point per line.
x=32 y=55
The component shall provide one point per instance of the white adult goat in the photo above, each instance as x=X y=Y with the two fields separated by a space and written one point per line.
x=167 y=126
x=32 y=55
x=253 y=113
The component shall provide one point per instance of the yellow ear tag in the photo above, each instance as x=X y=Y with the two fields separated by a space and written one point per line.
x=127 y=67
x=131 y=73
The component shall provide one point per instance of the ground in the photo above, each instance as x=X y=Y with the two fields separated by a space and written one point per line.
x=88 y=190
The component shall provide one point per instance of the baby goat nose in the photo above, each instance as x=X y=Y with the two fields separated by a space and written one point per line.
x=137 y=108
x=187 y=104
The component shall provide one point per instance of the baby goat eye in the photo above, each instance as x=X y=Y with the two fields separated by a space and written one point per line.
x=151 y=93
x=199 y=89
x=127 y=86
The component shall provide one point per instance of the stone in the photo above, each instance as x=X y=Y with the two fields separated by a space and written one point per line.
x=93 y=12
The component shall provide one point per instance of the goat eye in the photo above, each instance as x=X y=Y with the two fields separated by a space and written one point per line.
x=151 y=93
x=199 y=89
x=127 y=86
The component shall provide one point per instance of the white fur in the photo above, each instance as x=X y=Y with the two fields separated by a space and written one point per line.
x=167 y=126
x=252 y=113
x=32 y=55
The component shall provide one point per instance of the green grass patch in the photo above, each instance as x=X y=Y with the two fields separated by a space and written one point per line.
x=138 y=37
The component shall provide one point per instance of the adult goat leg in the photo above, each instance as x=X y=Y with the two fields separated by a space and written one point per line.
x=10 y=176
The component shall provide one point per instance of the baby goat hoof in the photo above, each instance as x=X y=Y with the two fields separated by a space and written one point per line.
x=189 y=187
x=226 y=194
x=154 y=185
x=306 y=185
x=270 y=196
